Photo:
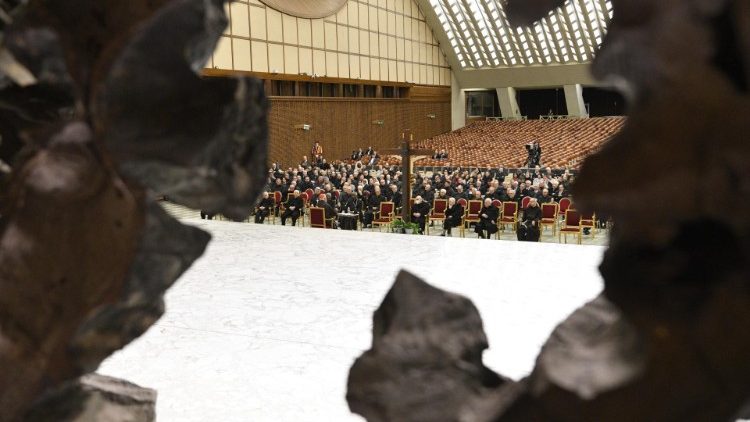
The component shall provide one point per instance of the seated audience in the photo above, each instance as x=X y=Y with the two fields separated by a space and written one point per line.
x=419 y=213
x=545 y=197
x=373 y=206
x=453 y=216
x=263 y=209
x=528 y=228
x=293 y=208
x=330 y=212
x=487 y=225
x=352 y=188
x=395 y=196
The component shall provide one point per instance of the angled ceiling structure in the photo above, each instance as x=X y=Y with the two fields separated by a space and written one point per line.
x=482 y=46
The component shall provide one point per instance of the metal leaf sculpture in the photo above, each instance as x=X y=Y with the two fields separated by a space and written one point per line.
x=667 y=340
x=101 y=106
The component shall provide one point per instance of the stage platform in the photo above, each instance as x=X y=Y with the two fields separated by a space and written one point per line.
x=265 y=326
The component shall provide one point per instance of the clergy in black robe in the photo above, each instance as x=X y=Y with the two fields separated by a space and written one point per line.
x=395 y=196
x=544 y=197
x=528 y=229
x=263 y=209
x=419 y=213
x=330 y=212
x=373 y=206
x=487 y=225
x=293 y=208
x=348 y=201
x=453 y=216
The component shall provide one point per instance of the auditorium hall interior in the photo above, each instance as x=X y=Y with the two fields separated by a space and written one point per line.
x=374 y=210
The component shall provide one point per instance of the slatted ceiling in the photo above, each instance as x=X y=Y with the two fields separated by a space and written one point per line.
x=481 y=36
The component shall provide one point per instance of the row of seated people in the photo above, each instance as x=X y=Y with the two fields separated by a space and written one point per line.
x=485 y=214
x=372 y=186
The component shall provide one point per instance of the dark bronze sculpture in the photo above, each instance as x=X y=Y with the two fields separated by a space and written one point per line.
x=668 y=339
x=101 y=108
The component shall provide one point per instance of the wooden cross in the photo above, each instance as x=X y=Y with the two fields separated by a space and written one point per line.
x=406 y=153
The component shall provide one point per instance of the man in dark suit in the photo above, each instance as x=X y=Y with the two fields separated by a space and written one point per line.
x=293 y=208
x=348 y=201
x=263 y=209
x=544 y=197
x=395 y=196
x=453 y=216
x=487 y=225
x=373 y=206
x=528 y=229
x=330 y=212
x=419 y=213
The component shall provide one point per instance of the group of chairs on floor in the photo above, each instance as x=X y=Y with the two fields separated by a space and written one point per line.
x=562 y=218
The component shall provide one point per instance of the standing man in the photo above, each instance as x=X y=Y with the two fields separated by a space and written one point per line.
x=317 y=151
x=537 y=154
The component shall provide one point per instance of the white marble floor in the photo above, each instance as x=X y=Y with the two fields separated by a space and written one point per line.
x=266 y=325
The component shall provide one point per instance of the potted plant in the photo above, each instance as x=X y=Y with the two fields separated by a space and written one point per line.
x=411 y=228
x=398 y=226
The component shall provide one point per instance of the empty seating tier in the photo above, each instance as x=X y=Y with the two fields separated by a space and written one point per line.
x=564 y=143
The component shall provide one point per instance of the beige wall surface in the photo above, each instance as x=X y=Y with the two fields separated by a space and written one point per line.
x=380 y=40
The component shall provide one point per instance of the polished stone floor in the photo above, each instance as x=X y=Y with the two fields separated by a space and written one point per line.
x=265 y=326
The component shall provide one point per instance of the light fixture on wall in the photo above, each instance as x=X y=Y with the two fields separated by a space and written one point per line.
x=303 y=126
x=378 y=122
x=431 y=116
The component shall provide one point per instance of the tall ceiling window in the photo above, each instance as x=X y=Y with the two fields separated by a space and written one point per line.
x=480 y=35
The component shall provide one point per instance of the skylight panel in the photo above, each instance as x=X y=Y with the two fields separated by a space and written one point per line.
x=480 y=35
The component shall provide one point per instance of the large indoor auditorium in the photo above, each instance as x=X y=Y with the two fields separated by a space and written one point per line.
x=374 y=210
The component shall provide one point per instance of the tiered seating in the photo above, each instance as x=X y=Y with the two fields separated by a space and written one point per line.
x=565 y=143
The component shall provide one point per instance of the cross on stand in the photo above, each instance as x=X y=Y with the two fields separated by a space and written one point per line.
x=406 y=153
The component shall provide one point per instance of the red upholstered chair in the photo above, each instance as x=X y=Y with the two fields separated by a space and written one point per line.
x=588 y=220
x=277 y=206
x=438 y=211
x=509 y=215
x=462 y=202
x=318 y=218
x=337 y=194
x=385 y=215
x=472 y=214
x=309 y=193
x=549 y=216
x=305 y=206
x=572 y=225
x=565 y=203
x=525 y=202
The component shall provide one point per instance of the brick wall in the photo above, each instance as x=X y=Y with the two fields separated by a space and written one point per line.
x=342 y=125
